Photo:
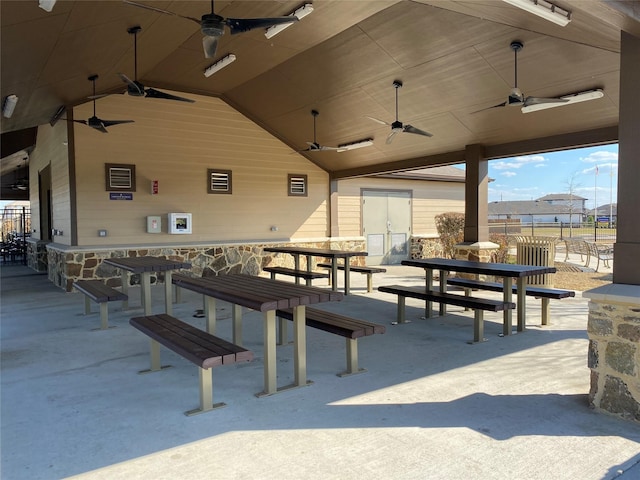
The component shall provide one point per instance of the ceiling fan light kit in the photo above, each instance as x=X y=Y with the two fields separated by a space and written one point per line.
x=573 y=98
x=300 y=13
x=9 y=105
x=219 y=65
x=543 y=9
x=355 y=145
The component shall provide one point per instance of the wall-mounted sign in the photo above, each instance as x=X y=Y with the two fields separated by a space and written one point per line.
x=120 y=196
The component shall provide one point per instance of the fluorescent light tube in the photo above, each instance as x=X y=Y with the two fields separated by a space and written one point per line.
x=574 y=98
x=9 y=105
x=544 y=9
x=46 y=5
x=300 y=13
x=352 y=146
x=219 y=65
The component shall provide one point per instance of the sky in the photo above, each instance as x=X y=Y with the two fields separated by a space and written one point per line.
x=534 y=176
x=592 y=171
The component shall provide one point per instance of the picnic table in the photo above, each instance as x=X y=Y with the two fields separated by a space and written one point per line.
x=267 y=296
x=506 y=271
x=145 y=266
x=328 y=253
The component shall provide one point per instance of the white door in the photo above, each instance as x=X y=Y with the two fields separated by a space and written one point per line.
x=386 y=225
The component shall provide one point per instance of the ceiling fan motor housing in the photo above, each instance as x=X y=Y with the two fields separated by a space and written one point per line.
x=212 y=25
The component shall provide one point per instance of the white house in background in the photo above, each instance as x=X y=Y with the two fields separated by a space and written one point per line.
x=562 y=207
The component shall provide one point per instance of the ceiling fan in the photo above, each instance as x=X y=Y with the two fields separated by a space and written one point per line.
x=315 y=146
x=95 y=122
x=134 y=87
x=397 y=126
x=212 y=25
x=21 y=184
x=516 y=98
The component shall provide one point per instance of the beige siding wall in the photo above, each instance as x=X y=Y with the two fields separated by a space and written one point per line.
x=51 y=149
x=175 y=143
x=430 y=198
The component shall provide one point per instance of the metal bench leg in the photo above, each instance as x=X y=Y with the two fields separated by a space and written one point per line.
x=206 y=393
x=545 y=311
x=87 y=305
x=178 y=293
x=104 y=316
x=352 y=358
x=155 y=358
x=478 y=326
x=369 y=282
x=401 y=308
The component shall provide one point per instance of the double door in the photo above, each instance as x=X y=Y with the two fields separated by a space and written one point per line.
x=386 y=225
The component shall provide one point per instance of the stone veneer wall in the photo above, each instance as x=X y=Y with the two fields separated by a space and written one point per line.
x=37 y=255
x=68 y=264
x=614 y=349
x=425 y=247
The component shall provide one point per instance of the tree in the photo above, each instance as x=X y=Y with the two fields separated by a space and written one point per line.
x=450 y=226
x=572 y=185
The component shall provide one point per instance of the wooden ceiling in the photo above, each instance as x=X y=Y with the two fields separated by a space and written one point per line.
x=452 y=56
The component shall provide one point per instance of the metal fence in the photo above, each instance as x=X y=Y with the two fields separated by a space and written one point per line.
x=15 y=229
x=594 y=232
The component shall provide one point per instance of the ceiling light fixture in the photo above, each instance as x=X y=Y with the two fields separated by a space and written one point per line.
x=352 y=146
x=573 y=98
x=544 y=9
x=9 y=105
x=46 y=5
x=220 y=64
x=300 y=13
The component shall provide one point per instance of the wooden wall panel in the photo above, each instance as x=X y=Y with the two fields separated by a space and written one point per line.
x=51 y=149
x=430 y=198
x=175 y=143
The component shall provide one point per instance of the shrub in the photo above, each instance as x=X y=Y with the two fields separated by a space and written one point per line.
x=501 y=255
x=450 y=226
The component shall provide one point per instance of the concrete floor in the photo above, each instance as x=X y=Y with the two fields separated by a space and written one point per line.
x=429 y=406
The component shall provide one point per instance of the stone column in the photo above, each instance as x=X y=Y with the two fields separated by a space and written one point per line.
x=614 y=310
x=614 y=349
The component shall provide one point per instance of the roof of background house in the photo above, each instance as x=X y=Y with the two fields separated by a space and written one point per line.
x=605 y=209
x=529 y=207
x=560 y=196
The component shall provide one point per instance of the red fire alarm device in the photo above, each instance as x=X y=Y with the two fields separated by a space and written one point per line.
x=154 y=187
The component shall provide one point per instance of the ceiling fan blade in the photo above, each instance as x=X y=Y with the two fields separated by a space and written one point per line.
x=503 y=104
x=417 y=131
x=109 y=123
x=381 y=122
x=539 y=100
x=210 y=45
x=391 y=135
x=153 y=93
x=239 y=25
x=159 y=10
x=84 y=122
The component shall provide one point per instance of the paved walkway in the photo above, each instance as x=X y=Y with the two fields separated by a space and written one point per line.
x=430 y=406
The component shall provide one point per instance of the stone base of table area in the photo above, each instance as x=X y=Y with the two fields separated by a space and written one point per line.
x=68 y=264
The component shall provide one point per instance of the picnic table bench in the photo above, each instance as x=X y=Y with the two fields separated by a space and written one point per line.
x=350 y=328
x=292 y=272
x=200 y=348
x=368 y=271
x=543 y=293
x=101 y=294
x=479 y=305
